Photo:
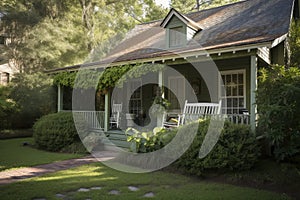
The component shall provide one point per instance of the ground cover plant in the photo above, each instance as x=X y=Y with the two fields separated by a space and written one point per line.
x=14 y=154
x=163 y=185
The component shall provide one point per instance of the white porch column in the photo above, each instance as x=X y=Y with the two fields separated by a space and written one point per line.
x=253 y=88
x=160 y=85
x=59 y=98
x=106 y=110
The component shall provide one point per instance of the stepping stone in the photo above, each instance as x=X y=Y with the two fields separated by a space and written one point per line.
x=96 y=188
x=83 y=190
x=60 y=195
x=149 y=194
x=114 y=192
x=133 y=189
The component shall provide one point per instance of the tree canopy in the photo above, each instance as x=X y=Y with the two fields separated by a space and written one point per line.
x=47 y=34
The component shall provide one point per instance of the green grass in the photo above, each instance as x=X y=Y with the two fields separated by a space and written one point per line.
x=13 y=154
x=164 y=185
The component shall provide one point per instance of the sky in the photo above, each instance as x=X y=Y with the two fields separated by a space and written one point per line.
x=164 y=3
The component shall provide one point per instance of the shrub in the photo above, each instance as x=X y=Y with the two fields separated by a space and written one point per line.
x=236 y=149
x=54 y=132
x=7 y=108
x=278 y=106
x=143 y=142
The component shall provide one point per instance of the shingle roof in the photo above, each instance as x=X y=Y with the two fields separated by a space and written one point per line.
x=242 y=23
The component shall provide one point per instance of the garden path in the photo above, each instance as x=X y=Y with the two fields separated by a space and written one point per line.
x=13 y=175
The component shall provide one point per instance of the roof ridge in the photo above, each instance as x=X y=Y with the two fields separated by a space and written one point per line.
x=191 y=13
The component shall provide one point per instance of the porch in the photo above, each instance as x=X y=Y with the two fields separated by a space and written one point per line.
x=180 y=81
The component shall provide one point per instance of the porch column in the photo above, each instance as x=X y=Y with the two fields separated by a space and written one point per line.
x=160 y=85
x=253 y=88
x=59 y=98
x=106 y=110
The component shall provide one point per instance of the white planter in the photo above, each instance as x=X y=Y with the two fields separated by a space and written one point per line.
x=130 y=118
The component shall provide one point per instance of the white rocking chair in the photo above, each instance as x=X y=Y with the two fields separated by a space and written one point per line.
x=115 y=115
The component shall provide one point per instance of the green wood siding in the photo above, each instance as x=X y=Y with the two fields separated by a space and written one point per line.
x=277 y=54
x=175 y=23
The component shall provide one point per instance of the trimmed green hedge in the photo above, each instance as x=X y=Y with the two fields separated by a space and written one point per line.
x=56 y=132
x=236 y=149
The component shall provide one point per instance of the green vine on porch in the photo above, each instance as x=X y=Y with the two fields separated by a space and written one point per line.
x=109 y=78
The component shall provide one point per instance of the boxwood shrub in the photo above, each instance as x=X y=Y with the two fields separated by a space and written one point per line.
x=236 y=149
x=56 y=132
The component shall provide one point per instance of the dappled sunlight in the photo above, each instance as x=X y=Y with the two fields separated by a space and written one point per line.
x=81 y=174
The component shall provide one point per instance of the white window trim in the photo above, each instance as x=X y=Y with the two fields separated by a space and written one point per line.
x=226 y=72
x=129 y=93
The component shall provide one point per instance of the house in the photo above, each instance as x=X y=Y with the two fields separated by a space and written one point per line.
x=207 y=52
x=7 y=68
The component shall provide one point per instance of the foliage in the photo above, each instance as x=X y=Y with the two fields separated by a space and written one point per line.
x=294 y=42
x=34 y=96
x=142 y=142
x=50 y=34
x=187 y=6
x=236 y=149
x=278 y=105
x=7 y=107
x=17 y=133
x=111 y=77
x=54 y=132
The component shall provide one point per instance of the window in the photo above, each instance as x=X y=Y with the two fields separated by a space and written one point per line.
x=234 y=94
x=135 y=103
x=176 y=36
x=4 y=78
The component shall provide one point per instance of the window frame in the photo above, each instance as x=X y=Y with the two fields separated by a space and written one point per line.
x=225 y=107
x=178 y=35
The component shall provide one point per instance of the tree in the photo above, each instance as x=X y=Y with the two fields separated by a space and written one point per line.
x=34 y=97
x=186 y=6
x=48 y=34
x=294 y=43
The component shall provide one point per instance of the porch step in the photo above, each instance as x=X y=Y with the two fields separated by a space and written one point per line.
x=117 y=137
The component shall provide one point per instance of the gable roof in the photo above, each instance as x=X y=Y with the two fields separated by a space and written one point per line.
x=251 y=22
x=189 y=22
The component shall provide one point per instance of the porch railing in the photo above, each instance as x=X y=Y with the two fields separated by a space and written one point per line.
x=94 y=119
x=239 y=118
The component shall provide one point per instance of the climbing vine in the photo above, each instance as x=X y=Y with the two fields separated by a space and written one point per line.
x=109 y=78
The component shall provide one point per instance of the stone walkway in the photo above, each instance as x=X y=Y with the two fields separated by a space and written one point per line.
x=10 y=176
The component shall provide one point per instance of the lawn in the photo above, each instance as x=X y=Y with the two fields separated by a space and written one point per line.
x=164 y=185
x=13 y=154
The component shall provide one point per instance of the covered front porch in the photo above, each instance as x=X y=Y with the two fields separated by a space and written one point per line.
x=180 y=81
